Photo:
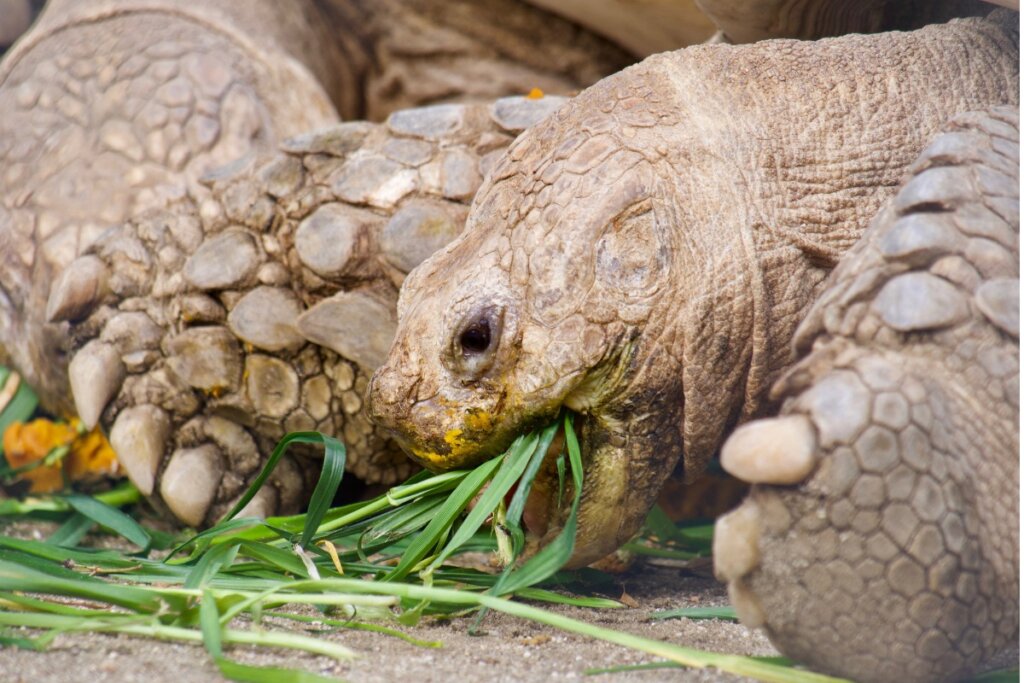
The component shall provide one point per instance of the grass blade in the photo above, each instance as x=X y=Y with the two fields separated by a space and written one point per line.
x=125 y=494
x=71 y=531
x=246 y=673
x=446 y=515
x=542 y=595
x=22 y=643
x=551 y=557
x=513 y=464
x=357 y=626
x=111 y=518
x=330 y=478
x=17 y=577
x=282 y=560
x=401 y=521
x=106 y=559
x=1000 y=676
x=724 y=613
x=275 y=456
x=626 y=668
x=209 y=564
x=209 y=623
x=659 y=524
x=24 y=602
x=201 y=541
x=514 y=516
x=132 y=625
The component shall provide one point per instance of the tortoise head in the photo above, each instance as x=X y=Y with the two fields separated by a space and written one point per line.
x=556 y=294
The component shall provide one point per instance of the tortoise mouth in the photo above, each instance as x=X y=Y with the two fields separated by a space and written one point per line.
x=549 y=502
x=613 y=503
x=548 y=493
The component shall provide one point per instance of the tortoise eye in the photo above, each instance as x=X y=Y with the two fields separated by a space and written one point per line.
x=476 y=338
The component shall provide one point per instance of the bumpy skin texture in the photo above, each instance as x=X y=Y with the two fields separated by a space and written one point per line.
x=895 y=557
x=263 y=306
x=645 y=255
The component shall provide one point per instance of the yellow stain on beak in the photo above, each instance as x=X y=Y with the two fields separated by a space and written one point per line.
x=460 y=445
x=453 y=437
x=459 y=440
x=478 y=421
x=430 y=456
x=475 y=422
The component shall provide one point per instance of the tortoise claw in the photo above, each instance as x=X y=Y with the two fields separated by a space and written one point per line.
x=96 y=373
x=778 y=451
x=747 y=605
x=737 y=535
x=78 y=290
x=189 y=482
x=138 y=437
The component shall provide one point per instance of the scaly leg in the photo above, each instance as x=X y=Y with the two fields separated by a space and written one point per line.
x=880 y=540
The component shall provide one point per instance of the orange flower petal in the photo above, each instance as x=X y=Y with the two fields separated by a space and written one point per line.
x=25 y=444
x=91 y=458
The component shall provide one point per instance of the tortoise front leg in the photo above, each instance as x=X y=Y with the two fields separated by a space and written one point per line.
x=880 y=540
x=200 y=334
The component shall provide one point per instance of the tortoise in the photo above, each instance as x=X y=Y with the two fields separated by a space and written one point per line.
x=109 y=109
x=231 y=303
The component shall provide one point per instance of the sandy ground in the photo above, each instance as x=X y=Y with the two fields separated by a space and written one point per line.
x=511 y=650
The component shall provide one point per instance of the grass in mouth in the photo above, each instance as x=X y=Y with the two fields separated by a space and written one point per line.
x=361 y=565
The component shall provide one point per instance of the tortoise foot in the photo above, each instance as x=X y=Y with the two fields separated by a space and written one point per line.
x=879 y=541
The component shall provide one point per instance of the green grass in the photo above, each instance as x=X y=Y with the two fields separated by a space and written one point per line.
x=723 y=613
x=232 y=584
x=399 y=545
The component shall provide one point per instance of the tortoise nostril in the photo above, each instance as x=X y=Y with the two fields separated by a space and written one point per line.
x=476 y=338
x=383 y=393
x=474 y=342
